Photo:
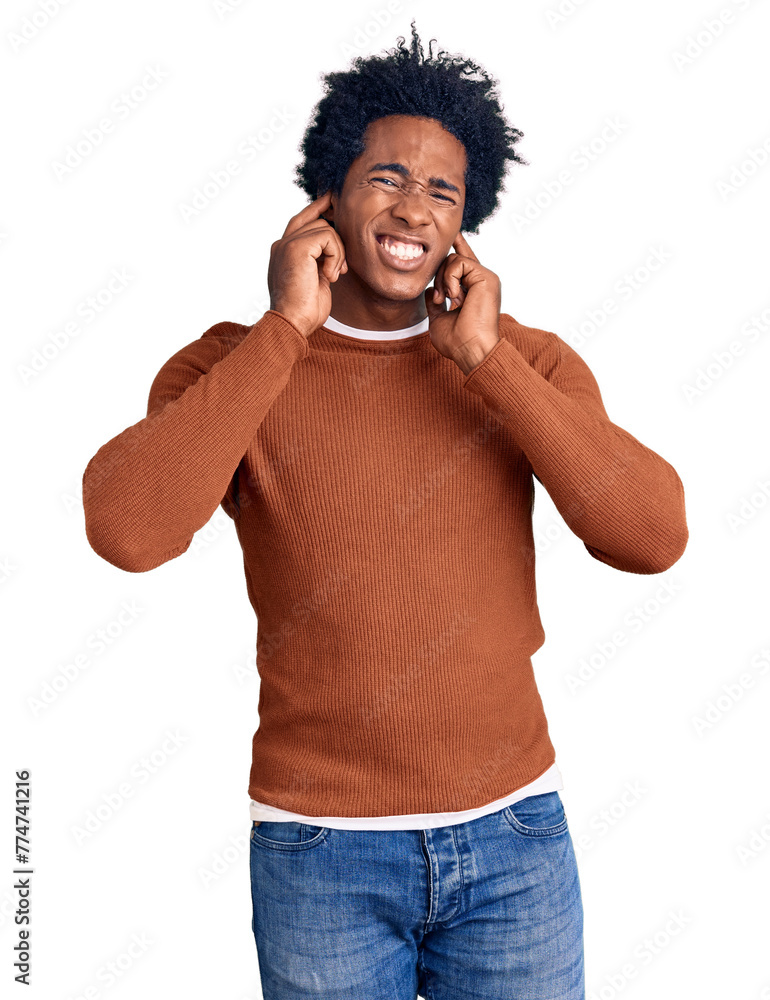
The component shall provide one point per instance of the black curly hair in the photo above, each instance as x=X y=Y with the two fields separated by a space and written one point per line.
x=404 y=82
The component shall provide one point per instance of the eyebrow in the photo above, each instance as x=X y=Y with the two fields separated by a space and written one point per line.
x=399 y=168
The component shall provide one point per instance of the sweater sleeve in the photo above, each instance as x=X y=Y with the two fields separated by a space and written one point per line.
x=149 y=489
x=623 y=500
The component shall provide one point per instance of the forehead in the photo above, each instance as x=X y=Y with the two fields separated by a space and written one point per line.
x=422 y=145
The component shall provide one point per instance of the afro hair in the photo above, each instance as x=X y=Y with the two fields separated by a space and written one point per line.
x=449 y=89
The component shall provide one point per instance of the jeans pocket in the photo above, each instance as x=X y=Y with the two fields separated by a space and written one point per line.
x=537 y=815
x=287 y=835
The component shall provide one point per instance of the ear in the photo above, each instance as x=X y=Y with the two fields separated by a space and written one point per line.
x=328 y=215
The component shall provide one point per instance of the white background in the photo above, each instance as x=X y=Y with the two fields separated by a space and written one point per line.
x=678 y=181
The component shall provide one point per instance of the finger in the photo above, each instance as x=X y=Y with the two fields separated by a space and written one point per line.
x=317 y=226
x=309 y=213
x=329 y=250
x=434 y=309
x=438 y=278
x=334 y=259
x=453 y=294
x=456 y=300
x=461 y=246
x=452 y=280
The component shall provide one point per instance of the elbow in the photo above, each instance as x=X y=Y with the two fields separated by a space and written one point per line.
x=665 y=554
x=107 y=546
x=118 y=550
x=671 y=550
x=655 y=544
x=103 y=534
x=128 y=548
x=674 y=539
x=671 y=536
x=131 y=560
x=650 y=560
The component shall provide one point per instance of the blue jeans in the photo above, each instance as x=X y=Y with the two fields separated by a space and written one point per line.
x=490 y=909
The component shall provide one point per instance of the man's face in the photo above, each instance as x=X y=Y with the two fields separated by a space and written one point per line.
x=421 y=200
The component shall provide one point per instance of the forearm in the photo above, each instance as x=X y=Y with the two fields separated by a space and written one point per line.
x=621 y=498
x=149 y=489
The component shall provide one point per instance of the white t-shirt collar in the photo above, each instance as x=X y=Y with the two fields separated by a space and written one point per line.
x=351 y=331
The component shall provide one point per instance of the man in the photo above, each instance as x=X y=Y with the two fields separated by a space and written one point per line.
x=375 y=449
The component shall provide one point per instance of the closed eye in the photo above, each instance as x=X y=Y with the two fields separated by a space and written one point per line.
x=387 y=180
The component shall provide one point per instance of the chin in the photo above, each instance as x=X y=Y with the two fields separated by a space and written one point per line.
x=398 y=291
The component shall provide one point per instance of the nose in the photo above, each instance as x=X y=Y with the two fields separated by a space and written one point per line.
x=412 y=207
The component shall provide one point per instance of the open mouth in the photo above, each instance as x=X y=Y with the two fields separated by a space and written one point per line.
x=405 y=255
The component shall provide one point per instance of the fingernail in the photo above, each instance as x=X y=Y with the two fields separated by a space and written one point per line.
x=436 y=295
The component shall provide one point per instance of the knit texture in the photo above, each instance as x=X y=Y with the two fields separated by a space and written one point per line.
x=383 y=502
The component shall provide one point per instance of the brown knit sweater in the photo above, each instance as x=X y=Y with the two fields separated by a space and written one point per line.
x=383 y=503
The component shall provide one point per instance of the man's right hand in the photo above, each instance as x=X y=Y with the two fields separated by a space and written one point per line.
x=303 y=264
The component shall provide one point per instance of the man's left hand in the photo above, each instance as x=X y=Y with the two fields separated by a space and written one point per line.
x=468 y=330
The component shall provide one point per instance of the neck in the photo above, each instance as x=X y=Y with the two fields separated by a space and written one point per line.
x=356 y=305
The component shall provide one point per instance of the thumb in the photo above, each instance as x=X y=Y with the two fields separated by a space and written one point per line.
x=435 y=309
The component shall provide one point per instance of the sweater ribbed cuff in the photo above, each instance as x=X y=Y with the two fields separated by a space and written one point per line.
x=480 y=365
x=279 y=341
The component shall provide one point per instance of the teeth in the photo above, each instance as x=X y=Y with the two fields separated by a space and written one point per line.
x=405 y=251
